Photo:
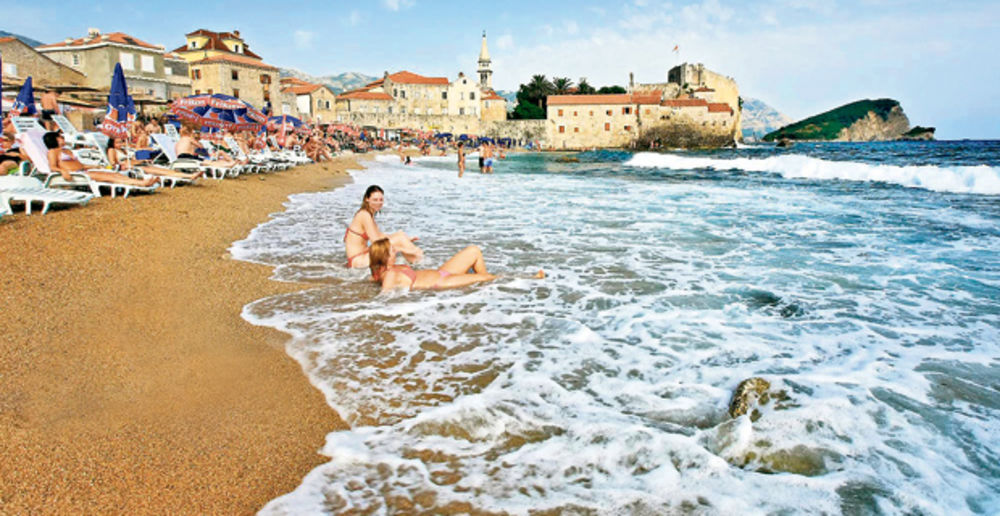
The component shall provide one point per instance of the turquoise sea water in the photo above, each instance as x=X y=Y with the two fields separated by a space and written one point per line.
x=860 y=279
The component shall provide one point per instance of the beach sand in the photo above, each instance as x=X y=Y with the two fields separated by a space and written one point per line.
x=129 y=383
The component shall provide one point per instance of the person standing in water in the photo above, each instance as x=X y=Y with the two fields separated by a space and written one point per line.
x=461 y=159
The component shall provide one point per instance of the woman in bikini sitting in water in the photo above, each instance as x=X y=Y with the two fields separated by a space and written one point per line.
x=363 y=228
x=453 y=274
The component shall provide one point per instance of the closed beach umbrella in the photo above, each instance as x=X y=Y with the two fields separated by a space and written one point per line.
x=121 y=108
x=24 y=104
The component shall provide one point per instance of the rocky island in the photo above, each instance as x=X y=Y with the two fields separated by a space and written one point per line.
x=862 y=121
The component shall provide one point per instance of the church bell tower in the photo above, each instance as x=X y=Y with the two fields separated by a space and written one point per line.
x=485 y=74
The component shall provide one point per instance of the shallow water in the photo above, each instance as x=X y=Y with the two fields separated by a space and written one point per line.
x=859 y=279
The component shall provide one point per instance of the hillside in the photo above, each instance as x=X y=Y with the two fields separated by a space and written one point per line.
x=338 y=83
x=864 y=120
x=760 y=119
x=26 y=40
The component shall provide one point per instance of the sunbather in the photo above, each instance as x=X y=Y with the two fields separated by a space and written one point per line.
x=119 y=158
x=10 y=155
x=64 y=162
x=363 y=228
x=187 y=148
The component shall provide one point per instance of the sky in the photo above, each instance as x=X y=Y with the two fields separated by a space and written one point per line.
x=939 y=59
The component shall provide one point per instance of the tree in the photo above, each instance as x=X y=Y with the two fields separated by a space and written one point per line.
x=562 y=85
x=527 y=111
x=611 y=89
x=584 y=87
x=538 y=89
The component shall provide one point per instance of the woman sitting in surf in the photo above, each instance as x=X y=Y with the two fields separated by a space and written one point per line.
x=453 y=274
x=363 y=228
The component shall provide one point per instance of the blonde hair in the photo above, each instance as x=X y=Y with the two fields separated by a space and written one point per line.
x=378 y=258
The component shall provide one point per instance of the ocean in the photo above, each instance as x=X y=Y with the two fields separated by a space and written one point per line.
x=861 y=280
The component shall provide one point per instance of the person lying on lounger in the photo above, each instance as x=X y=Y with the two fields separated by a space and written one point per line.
x=64 y=162
x=453 y=274
x=187 y=148
x=119 y=158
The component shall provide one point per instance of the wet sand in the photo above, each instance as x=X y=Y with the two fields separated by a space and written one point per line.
x=129 y=383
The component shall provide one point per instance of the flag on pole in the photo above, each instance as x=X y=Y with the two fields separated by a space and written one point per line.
x=677 y=48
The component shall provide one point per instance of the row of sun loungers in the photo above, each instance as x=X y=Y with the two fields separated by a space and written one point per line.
x=37 y=183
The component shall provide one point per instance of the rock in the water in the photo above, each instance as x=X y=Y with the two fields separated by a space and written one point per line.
x=748 y=394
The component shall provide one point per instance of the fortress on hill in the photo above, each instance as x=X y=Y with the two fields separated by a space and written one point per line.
x=696 y=107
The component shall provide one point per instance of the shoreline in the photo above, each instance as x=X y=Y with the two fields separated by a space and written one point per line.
x=129 y=382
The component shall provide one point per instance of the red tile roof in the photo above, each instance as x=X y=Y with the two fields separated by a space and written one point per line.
x=566 y=100
x=652 y=97
x=405 y=77
x=492 y=95
x=238 y=59
x=8 y=39
x=364 y=95
x=215 y=43
x=112 y=37
x=719 y=107
x=301 y=89
x=684 y=103
x=703 y=89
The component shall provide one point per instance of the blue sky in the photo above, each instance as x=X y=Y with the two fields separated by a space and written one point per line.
x=939 y=59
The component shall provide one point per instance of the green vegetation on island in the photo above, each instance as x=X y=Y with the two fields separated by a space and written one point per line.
x=828 y=125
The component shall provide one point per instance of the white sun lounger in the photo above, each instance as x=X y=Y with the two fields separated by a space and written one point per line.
x=34 y=147
x=168 y=146
x=30 y=190
x=75 y=137
x=23 y=124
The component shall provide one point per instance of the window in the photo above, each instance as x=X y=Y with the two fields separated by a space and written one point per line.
x=147 y=64
x=444 y=95
x=267 y=95
x=626 y=110
x=609 y=112
x=168 y=70
x=472 y=95
x=402 y=93
x=560 y=112
x=236 y=75
x=562 y=128
x=574 y=113
x=127 y=60
x=10 y=69
x=327 y=104
x=461 y=96
x=444 y=111
x=607 y=126
x=236 y=92
x=237 y=49
x=628 y=127
x=416 y=111
x=193 y=45
x=395 y=92
x=591 y=112
x=647 y=111
x=576 y=129
x=265 y=79
x=461 y=110
x=76 y=59
x=196 y=74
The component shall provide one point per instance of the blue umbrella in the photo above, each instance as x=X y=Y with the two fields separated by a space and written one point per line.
x=24 y=104
x=121 y=108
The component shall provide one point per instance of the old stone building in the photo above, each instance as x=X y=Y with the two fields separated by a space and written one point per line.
x=222 y=62
x=175 y=69
x=96 y=54
x=696 y=107
x=408 y=100
x=20 y=61
x=308 y=101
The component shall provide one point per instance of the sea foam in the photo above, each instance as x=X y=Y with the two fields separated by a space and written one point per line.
x=980 y=179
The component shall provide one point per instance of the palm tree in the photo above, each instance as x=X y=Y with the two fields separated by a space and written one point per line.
x=584 y=87
x=562 y=85
x=539 y=88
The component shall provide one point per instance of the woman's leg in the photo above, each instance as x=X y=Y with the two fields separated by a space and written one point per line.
x=469 y=258
x=160 y=171
x=111 y=177
x=462 y=280
x=404 y=245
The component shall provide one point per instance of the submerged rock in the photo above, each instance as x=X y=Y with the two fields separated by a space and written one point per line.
x=748 y=394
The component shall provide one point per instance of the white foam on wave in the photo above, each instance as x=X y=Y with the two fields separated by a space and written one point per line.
x=605 y=386
x=981 y=179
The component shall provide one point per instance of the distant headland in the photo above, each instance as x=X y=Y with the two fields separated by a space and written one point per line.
x=862 y=121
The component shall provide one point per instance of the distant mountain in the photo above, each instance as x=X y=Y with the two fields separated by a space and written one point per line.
x=511 y=97
x=760 y=119
x=337 y=83
x=26 y=40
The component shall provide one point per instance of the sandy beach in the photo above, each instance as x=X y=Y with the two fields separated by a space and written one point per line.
x=129 y=383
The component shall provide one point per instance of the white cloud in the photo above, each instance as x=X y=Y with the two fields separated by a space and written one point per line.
x=572 y=27
x=396 y=5
x=303 y=39
x=505 y=42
